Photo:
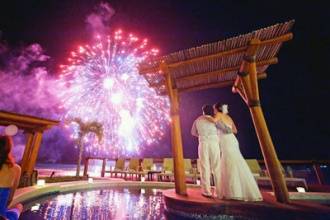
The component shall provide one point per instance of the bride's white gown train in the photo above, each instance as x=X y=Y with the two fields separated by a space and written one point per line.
x=236 y=179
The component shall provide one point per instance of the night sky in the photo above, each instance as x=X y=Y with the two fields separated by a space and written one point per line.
x=294 y=96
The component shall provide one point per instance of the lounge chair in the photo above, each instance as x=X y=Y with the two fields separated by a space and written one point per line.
x=134 y=168
x=263 y=178
x=147 y=167
x=189 y=171
x=147 y=164
x=255 y=167
x=119 y=168
x=167 y=170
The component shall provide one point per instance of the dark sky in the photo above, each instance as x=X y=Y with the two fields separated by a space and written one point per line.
x=295 y=95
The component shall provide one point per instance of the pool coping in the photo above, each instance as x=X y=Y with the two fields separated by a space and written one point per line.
x=29 y=193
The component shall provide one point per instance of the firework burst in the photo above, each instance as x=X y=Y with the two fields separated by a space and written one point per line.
x=101 y=83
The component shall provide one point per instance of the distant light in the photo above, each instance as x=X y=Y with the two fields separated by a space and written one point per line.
x=35 y=207
x=143 y=191
x=154 y=191
x=90 y=180
x=139 y=103
x=125 y=76
x=143 y=179
x=301 y=189
x=116 y=98
x=198 y=182
x=41 y=182
x=108 y=83
x=154 y=167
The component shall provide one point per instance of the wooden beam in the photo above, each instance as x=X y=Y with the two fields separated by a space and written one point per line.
x=280 y=39
x=20 y=125
x=275 y=40
x=216 y=85
x=208 y=57
x=10 y=116
x=157 y=85
x=271 y=61
x=168 y=81
x=252 y=68
x=244 y=74
x=238 y=88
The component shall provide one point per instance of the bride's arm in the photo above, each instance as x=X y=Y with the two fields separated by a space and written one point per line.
x=233 y=126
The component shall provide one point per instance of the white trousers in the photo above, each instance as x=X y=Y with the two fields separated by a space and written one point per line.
x=209 y=155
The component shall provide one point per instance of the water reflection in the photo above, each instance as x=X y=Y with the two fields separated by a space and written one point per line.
x=100 y=204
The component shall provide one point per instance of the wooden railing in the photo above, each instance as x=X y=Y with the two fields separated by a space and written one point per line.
x=315 y=164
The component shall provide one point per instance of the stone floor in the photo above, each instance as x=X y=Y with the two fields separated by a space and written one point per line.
x=196 y=204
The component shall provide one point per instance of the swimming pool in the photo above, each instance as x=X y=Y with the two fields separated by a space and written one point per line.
x=112 y=203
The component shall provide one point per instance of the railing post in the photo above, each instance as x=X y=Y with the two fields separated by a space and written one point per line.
x=86 y=166
x=103 y=167
x=319 y=174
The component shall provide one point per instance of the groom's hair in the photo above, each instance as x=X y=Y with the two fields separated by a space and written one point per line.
x=207 y=110
x=218 y=106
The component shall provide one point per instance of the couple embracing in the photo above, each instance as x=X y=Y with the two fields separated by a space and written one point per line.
x=219 y=154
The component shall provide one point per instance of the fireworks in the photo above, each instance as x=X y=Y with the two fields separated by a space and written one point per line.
x=101 y=83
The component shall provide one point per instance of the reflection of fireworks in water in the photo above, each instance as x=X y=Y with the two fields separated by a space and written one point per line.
x=102 y=84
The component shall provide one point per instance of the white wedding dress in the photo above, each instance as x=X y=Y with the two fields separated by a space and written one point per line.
x=236 y=179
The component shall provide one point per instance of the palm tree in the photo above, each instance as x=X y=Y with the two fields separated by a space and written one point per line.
x=85 y=128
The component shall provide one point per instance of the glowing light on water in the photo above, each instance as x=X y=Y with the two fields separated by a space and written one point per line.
x=90 y=180
x=301 y=189
x=101 y=83
x=41 y=182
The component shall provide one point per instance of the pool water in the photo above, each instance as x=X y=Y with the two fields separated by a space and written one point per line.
x=101 y=204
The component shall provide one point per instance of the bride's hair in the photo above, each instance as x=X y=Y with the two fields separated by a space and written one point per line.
x=6 y=157
x=218 y=106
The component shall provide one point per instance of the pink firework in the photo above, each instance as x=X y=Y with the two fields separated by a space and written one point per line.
x=102 y=84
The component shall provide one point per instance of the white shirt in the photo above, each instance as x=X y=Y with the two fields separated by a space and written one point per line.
x=203 y=127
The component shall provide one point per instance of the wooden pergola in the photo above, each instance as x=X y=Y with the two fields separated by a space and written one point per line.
x=238 y=62
x=33 y=128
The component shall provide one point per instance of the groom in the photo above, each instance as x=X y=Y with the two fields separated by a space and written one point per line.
x=208 y=150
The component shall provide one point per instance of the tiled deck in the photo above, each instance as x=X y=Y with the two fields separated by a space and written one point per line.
x=196 y=204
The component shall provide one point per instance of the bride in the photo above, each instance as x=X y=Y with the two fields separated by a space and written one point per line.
x=236 y=179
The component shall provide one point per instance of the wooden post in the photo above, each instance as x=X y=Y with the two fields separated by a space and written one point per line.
x=27 y=151
x=177 y=151
x=248 y=77
x=271 y=161
x=103 y=167
x=34 y=152
x=86 y=166
x=179 y=175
